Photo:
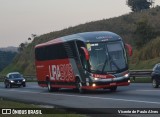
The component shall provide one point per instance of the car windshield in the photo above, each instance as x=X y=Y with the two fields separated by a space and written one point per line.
x=106 y=57
x=15 y=76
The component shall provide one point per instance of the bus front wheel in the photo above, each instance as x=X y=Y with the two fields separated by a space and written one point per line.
x=50 y=89
x=79 y=86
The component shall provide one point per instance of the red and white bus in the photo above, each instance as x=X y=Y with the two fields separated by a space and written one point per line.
x=83 y=61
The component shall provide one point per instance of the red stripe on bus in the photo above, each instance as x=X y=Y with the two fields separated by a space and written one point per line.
x=103 y=76
x=63 y=86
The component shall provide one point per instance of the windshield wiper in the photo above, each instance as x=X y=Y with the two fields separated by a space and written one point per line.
x=115 y=64
x=104 y=65
x=111 y=60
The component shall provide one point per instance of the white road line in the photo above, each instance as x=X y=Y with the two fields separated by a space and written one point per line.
x=148 y=90
x=80 y=96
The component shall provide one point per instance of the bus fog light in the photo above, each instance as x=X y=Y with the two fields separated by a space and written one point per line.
x=129 y=81
x=93 y=84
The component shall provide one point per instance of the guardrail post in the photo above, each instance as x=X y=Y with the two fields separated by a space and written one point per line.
x=134 y=78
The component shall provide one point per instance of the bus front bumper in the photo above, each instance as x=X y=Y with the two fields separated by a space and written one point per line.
x=107 y=85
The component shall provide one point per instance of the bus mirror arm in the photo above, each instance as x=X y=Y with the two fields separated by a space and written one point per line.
x=129 y=48
x=86 y=53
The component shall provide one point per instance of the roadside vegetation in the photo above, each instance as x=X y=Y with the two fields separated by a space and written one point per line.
x=140 y=29
x=17 y=105
x=147 y=56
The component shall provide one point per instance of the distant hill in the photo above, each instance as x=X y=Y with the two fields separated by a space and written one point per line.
x=125 y=26
x=6 y=58
x=9 y=49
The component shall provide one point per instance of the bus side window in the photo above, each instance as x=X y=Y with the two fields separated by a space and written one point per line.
x=73 y=49
x=56 y=51
x=40 y=54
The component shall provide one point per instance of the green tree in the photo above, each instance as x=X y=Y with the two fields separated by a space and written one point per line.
x=139 y=5
x=22 y=46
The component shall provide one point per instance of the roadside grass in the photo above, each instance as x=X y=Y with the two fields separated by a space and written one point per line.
x=18 y=105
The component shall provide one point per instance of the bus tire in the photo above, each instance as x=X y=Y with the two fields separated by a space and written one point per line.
x=113 y=89
x=154 y=83
x=79 y=86
x=50 y=89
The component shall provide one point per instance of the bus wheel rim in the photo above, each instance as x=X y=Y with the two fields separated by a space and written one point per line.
x=49 y=86
x=79 y=85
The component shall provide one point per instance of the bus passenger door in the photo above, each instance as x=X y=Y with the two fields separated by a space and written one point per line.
x=82 y=55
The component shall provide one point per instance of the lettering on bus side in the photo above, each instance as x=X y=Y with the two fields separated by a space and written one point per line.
x=61 y=72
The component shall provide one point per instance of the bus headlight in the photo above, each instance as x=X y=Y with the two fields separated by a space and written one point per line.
x=95 y=78
x=126 y=75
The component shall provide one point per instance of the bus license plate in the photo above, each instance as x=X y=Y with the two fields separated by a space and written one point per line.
x=112 y=84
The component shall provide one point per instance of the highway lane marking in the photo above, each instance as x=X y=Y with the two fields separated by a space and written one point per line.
x=148 y=90
x=79 y=96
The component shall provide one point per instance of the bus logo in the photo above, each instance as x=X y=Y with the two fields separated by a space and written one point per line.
x=62 y=72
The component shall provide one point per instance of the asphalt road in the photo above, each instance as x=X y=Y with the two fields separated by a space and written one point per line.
x=138 y=95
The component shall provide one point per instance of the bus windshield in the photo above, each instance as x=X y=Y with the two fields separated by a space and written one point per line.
x=106 y=57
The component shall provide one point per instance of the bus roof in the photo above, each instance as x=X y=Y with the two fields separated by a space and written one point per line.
x=96 y=36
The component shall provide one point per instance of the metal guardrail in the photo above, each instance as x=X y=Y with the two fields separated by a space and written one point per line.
x=140 y=73
x=30 y=77
x=27 y=77
x=1 y=78
x=133 y=73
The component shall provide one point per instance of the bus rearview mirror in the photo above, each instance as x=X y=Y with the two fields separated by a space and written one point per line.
x=86 y=53
x=129 y=48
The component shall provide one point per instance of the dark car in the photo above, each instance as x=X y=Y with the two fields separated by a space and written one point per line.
x=156 y=76
x=14 y=79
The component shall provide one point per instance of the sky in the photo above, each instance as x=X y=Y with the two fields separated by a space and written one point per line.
x=21 y=18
